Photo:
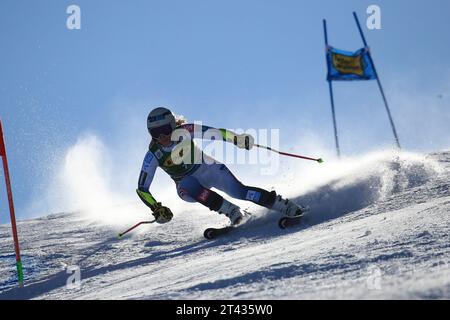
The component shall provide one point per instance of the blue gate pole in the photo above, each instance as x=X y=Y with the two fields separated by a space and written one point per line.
x=379 y=82
x=330 y=85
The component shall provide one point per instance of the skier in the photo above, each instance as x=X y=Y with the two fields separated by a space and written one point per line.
x=195 y=179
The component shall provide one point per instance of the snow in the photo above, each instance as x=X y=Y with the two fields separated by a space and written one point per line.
x=378 y=229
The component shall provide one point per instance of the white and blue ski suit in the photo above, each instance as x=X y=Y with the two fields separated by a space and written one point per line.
x=195 y=180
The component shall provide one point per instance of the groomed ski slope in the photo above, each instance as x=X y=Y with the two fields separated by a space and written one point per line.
x=378 y=229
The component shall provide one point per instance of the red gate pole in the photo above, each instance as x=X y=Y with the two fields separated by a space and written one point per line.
x=11 y=207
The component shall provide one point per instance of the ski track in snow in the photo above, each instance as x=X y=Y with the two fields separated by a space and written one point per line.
x=382 y=235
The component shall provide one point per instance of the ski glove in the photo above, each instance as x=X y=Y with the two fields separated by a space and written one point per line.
x=244 y=141
x=162 y=214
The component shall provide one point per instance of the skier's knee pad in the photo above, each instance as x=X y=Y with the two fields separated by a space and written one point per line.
x=210 y=199
x=191 y=187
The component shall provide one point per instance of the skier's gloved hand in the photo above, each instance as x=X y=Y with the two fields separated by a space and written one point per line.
x=162 y=214
x=244 y=141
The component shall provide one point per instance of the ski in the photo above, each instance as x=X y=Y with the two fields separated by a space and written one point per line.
x=288 y=222
x=213 y=233
x=283 y=223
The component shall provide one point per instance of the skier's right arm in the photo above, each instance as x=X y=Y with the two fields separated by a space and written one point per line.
x=145 y=180
x=162 y=214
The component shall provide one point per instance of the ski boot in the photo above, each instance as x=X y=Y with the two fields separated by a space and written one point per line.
x=287 y=207
x=232 y=211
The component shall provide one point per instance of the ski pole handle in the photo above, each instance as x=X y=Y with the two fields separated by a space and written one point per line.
x=319 y=160
x=134 y=227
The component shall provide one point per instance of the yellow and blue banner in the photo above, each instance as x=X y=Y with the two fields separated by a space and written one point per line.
x=347 y=66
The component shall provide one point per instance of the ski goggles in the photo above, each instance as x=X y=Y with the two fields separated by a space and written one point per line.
x=159 y=117
x=163 y=130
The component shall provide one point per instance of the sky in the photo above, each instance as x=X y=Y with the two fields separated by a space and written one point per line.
x=232 y=64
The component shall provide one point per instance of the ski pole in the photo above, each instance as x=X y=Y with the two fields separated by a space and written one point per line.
x=134 y=227
x=319 y=160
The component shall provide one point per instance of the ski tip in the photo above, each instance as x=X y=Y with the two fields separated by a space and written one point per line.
x=208 y=234
x=288 y=222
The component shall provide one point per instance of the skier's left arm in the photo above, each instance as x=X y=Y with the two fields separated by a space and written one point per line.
x=243 y=141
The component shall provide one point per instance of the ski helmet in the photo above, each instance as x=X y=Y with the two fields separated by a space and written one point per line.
x=160 y=121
